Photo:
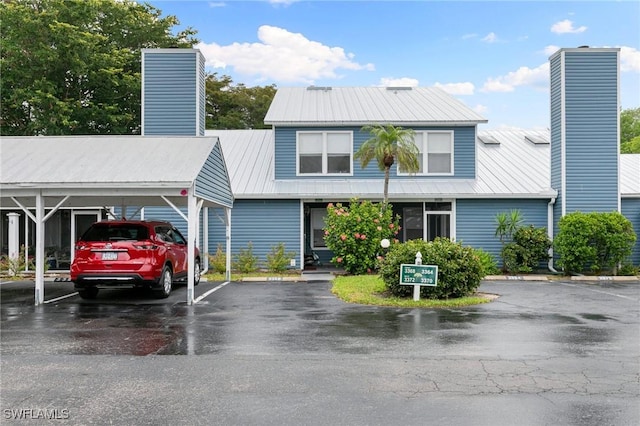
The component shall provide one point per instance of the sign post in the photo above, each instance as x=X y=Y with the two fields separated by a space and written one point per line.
x=418 y=275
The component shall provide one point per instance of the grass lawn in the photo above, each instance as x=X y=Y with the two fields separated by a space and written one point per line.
x=370 y=290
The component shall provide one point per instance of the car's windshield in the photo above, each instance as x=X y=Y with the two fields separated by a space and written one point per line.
x=115 y=232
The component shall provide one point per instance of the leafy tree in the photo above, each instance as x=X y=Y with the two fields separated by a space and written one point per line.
x=631 y=147
x=354 y=232
x=388 y=145
x=630 y=127
x=230 y=106
x=73 y=66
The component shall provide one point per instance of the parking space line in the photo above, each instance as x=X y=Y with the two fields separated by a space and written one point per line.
x=210 y=291
x=61 y=297
x=599 y=291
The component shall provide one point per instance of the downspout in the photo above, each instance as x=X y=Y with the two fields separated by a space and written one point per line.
x=550 y=233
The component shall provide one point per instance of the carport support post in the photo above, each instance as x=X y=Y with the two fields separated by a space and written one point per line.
x=14 y=236
x=192 y=216
x=39 y=296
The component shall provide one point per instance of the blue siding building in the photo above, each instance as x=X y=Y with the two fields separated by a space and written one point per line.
x=283 y=178
x=468 y=176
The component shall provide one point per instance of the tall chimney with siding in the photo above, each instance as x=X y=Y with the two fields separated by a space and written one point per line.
x=173 y=92
x=585 y=147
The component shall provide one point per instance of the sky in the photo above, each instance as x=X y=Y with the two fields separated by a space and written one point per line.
x=493 y=56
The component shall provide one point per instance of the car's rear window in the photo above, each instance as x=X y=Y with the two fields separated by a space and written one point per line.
x=115 y=232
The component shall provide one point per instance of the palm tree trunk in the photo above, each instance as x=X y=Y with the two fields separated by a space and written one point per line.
x=386 y=185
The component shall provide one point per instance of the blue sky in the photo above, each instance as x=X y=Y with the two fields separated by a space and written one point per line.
x=493 y=56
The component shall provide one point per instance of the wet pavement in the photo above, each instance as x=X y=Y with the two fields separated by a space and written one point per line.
x=290 y=353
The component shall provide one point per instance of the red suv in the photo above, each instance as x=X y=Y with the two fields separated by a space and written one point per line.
x=123 y=253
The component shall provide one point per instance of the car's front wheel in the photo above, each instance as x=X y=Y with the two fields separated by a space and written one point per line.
x=166 y=283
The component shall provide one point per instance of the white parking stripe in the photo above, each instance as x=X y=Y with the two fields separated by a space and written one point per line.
x=599 y=291
x=61 y=297
x=210 y=291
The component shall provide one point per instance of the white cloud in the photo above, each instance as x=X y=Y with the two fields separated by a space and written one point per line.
x=523 y=76
x=465 y=88
x=490 y=38
x=398 y=82
x=480 y=109
x=551 y=49
x=629 y=59
x=282 y=56
x=566 y=27
x=214 y=4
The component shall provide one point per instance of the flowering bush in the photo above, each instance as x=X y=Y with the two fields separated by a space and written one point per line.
x=353 y=233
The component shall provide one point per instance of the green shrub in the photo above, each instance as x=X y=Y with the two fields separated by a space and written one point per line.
x=245 y=261
x=593 y=241
x=488 y=263
x=628 y=270
x=512 y=258
x=535 y=245
x=218 y=261
x=278 y=260
x=459 y=268
x=530 y=246
x=17 y=265
x=353 y=233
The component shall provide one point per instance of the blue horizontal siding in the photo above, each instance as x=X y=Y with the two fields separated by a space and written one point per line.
x=170 y=98
x=476 y=221
x=264 y=224
x=591 y=131
x=213 y=180
x=285 y=153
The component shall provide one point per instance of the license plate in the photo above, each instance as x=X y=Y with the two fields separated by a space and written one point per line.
x=110 y=255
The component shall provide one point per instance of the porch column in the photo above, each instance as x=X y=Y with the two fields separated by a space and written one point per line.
x=39 y=296
x=192 y=222
x=14 y=236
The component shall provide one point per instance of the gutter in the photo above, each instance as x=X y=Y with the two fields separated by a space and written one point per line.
x=550 y=232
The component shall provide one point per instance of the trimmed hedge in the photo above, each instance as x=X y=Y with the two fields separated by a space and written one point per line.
x=459 y=268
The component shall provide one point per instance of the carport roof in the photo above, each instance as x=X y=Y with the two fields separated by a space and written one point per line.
x=114 y=170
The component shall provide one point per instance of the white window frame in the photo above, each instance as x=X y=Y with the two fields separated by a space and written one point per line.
x=425 y=154
x=451 y=213
x=325 y=153
x=314 y=213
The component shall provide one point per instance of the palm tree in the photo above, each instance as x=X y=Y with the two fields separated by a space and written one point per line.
x=389 y=144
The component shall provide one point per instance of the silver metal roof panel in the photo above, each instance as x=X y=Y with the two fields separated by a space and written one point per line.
x=368 y=105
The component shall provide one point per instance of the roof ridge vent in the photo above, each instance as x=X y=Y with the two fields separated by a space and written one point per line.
x=536 y=140
x=394 y=88
x=322 y=88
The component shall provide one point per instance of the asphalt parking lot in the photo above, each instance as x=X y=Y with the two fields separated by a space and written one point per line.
x=282 y=353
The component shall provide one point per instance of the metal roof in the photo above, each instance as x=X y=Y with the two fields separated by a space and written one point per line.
x=108 y=166
x=511 y=166
x=630 y=175
x=368 y=105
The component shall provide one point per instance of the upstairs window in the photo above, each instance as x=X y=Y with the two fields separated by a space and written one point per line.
x=436 y=153
x=324 y=153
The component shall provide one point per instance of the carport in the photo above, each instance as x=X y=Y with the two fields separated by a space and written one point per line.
x=42 y=174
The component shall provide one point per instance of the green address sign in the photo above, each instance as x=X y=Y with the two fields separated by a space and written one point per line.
x=421 y=275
